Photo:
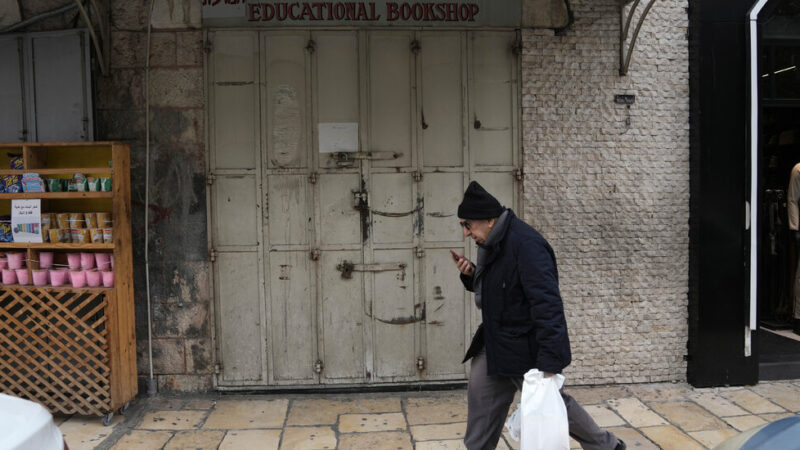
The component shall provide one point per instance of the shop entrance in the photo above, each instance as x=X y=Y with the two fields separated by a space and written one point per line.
x=337 y=160
x=779 y=296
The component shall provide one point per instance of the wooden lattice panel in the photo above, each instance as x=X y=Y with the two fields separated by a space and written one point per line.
x=54 y=349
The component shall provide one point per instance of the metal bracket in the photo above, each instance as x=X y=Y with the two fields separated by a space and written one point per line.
x=417 y=176
x=318 y=366
x=212 y=255
x=347 y=268
x=518 y=174
x=625 y=57
x=419 y=252
x=312 y=178
x=314 y=254
x=420 y=363
x=361 y=200
x=210 y=178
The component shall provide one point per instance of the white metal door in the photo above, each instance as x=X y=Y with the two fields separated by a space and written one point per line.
x=353 y=283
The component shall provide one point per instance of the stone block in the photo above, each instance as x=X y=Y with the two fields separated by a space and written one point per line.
x=168 y=356
x=178 y=88
x=122 y=89
x=184 y=383
x=162 y=49
x=127 y=49
x=176 y=14
x=199 y=358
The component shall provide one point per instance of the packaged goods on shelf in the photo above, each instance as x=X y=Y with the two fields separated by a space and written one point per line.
x=32 y=182
x=5 y=229
x=12 y=183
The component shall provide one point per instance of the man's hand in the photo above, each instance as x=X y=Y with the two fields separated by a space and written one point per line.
x=548 y=374
x=463 y=264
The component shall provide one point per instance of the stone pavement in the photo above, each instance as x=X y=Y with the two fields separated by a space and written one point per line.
x=646 y=416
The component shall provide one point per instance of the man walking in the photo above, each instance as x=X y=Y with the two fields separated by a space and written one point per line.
x=515 y=282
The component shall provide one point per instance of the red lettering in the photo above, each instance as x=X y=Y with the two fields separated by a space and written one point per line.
x=318 y=7
x=474 y=8
x=451 y=12
x=267 y=11
x=252 y=10
x=306 y=13
x=292 y=14
x=391 y=11
x=405 y=11
x=417 y=11
x=463 y=12
x=329 y=5
x=282 y=11
x=362 y=11
x=339 y=11
x=372 y=15
x=351 y=11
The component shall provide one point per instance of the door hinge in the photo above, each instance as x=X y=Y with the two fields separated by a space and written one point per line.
x=518 y=174
x=417 y=176
x=420 y=252
x=212 y=255
x=218 y=368
x=210 y=178
x=312 y=178
x=415 y=46
x=420 y=363
x=208 y=46
x=314 y=254
x=318 y=366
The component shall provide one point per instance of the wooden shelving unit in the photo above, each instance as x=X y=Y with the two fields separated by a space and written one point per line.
x=72 y=349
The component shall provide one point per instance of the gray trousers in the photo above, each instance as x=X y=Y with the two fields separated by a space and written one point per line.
x=488 y=400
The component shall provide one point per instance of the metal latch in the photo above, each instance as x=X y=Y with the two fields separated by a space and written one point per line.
x=210 y=178
x=420 y=252
x=212 y=255
x=360 y=200
x=314 y=254
x=312 y=178
x=420 y=363
x=518 y=174
x=347 y=268
x=318 y=366
x=417 y=176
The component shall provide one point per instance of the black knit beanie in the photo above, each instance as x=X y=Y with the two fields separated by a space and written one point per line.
x=478 y=204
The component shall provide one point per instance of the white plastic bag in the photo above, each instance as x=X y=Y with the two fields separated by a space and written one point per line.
x=543 y=416
x=513 y=424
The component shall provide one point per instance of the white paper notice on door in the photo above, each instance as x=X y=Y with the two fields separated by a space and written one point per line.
x=26 y=220
x=337 y=137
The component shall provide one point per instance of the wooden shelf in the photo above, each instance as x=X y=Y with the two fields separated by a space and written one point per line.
x=57 y=246
x=51 y=195
x=65 y=288
x=66 y=171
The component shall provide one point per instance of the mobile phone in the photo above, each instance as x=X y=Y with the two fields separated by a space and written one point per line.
x=455 y=256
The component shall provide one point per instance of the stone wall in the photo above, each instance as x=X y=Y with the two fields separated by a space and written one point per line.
x=178 y=257
x=613 y=198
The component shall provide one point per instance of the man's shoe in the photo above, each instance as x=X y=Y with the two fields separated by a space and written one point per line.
x=796 y=326
x=621 y=445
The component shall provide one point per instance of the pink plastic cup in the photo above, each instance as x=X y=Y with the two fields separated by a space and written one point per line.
x=103 y=261
x=9 y=276
x=23 y=277
x=93 y=278
x=45 y=260
x=39 y=277
x=74 y=261
x=58 y=277
x=108 y=278
x=77 y=278
x=3 y=263
x=16 y=260
x=87 y=261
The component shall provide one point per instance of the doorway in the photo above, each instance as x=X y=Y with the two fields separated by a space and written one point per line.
x=779 y=296
x=337 y=160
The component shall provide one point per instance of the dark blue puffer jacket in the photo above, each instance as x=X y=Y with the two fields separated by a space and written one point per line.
x=523 y=316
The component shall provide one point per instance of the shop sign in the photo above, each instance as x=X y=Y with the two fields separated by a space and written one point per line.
x=442 y=13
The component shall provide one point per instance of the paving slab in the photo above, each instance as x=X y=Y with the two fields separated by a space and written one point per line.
x=438 y=432
x=787 y=395
x=743 y=423
x=716 y=404
x=633 y=439
x=660 y=392
x=392 y=440
x=636 y=413
x=604 y=416
x=322 y=411
x=712 y=438
x=196 y=440
x=592 y=395
x=239 y=439
x=300 y=438
x=752 y=402
x=86 y=432
x=452 y=444
x=437 y=409
x=688 y=416
x=173 y=420
x=669 y=437
x=238 y=414
x=369 y=423
x=141 y=439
